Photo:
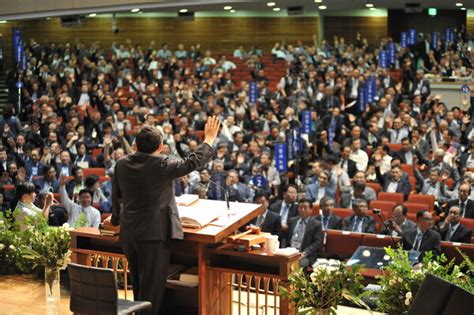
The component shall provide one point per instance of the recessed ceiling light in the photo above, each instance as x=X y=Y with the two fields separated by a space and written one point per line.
x=135 y=10
x=322 y=7
x=276 y=9
x=271 y=4
x=3 y=21
x=92 y=14
x=369 y=5
x=48 y=18
x=232 y=11
x=464 y=9
x=459 y=4
x=228 y=7
x=183 y=10
x=372 y=9
x=318 y=1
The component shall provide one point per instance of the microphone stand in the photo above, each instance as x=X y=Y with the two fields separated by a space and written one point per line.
x=389 y=228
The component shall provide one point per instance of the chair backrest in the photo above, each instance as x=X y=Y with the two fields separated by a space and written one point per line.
x=408 y=169
x=343 y=212
x=414 y=207
x=469 y=223
x=426 y=199
x=386 y=196
x=341 y=243
x=93 y=290
x=374 y=186
x=386 y=206
x=378 y=220
x=99 y=171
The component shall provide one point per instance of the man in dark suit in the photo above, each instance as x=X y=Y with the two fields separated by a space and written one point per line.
x=398 y=223
x=360 y=221
x=465 y=204
x=452 y=230
x=421 y=86
x=48 y=182
x=286 y=208
x=422 y=238
x=329 y=221
x=143 y=204
x=349 y=166
x=394 y=181
x=305 y=234
x=406 y=153
x=268 y=221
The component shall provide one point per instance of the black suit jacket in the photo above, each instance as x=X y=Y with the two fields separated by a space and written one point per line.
x=431 y=241
x=312 y=238
x=462 y=234
x=292 y=211
x=468 y=209
x=143 y=200
x=368 y=224
x=271 y=224
x=351 y=167
x=335 y=222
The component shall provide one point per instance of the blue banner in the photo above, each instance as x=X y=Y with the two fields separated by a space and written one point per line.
x=403 y=40
x=297 y=140
x=253 y=92
x=392 y=53
x=16 y=39
x=306 y=121
x=290 y=144
x=24 y=60
x=19 y=51
x=434 y=40
x=260 y=181
x=412 y=37
x=217 y=186
x=383 y=62
x=361 y=99
x=370 y=90
x=281 y=161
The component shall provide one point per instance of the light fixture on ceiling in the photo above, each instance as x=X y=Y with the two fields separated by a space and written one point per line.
x=463 y=8
x=276 y=9
x=369 y=5
x=135 y=10
x=48 y=18
x=92 y=14
x=318 y=1
x=232 y=11
x=459 y=4
x=322 y=7
x=372 y=9
x=271 y=4
x=183 y=10
x=228 y=7
x=3 y=21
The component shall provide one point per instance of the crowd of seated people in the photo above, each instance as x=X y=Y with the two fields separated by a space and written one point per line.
x=81 y=108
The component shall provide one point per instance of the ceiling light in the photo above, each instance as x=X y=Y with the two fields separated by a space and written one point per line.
x=276 y=9
x=92 y=14
x=318 y=1
x=135 y=10
x=3 y=21
x=228 y=7
x=369 y=5
x=322 y=7
x=183 y=10
x=464 y=9
x=232 y=11
x=271 y=4
x=48 y=18
x=459 y=4
x=372 y=9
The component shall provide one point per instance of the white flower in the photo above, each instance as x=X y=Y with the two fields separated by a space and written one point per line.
x=407 y=302
x=2 y=246
x=408 y=295
x=11 y=247
x=66 y=225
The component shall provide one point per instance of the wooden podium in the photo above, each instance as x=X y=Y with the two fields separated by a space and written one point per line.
x=251 y=278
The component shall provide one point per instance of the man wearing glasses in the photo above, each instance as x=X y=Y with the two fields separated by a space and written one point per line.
x=452 y=230
x=422 y=238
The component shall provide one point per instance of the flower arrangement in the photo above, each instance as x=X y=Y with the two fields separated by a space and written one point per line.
x=325 y=288
x=400 y=281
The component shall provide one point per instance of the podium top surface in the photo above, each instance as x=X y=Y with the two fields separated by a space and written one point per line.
x=216 y=231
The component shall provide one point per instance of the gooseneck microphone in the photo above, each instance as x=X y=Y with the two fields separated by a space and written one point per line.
x=379 y=213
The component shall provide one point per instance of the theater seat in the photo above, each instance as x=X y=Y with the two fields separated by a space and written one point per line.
x=425 y=199
x=99 y=171
x=378 y=240
x=450 y=250
x=343 y=212
x=378 y=220
x=374 y=186
x=469 y=223
x=415 y=207
x=395 y=197
x=385 y=206
x=341 y=244
x=316 y=209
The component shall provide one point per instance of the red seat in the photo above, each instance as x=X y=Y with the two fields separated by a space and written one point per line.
x=374 y=186
x=450 y=250
x=385 y=206
x=469 y=223
x=316 y=210
x=96 y=152
x=378 y=240
x=378 y=220
x=395 y=146
x=341 y=243
x=343 y=212
x=411 y=216
x=408 y=169
x=414 y=207
x=99 y=171
x=199 y=134
x=104 y=179
x=428 y=200
x=395 y=197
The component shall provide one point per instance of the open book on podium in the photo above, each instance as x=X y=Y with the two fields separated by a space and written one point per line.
x=192 y=215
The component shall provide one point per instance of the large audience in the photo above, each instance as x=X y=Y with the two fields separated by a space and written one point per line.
x=81 y=107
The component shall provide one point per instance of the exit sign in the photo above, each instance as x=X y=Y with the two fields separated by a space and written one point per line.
x=432 y=11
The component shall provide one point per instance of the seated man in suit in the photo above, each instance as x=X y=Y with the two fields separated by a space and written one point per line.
x=347 y=197
x=422 y=238
x=305 y=234
x=268 y=221
x=394 y=181
x=398 y=223
x=328 y=220
x=432 y=185
x=321 y=188
x=452 y=230
x=465 y=204
x=47 y=182
x=360 y=221
x=288 y=207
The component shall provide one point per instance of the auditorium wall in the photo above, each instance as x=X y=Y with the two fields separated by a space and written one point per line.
x=374 y=28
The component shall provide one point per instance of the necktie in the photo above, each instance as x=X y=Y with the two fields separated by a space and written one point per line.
x=284 y=213
x=462 y=206
x=417 y=242
x=356 y=227
x=325 y=223
x=450 y=233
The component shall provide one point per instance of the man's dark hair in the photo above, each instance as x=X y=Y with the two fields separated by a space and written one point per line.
x=148 y=139
x=24 y=188
x=91 y=180
x=46 y=169
x=261 y=193
x=420 y=213
x=404 y=209
x=304 y=201
x=74 y=170
x=358 y=201
x=85 y=191
x=325 y=200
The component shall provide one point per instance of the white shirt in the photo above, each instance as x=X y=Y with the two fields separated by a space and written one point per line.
x=74 y=210
x=361 y=158
x=392 y=187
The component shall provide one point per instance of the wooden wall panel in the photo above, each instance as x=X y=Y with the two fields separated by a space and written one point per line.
x=470 y=26
x=373 y=28
x=217 y=33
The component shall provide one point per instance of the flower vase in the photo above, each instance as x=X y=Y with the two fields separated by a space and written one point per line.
x=53 y=293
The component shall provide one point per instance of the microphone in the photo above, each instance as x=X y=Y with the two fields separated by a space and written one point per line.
x=388 y=227
x=224 y=189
